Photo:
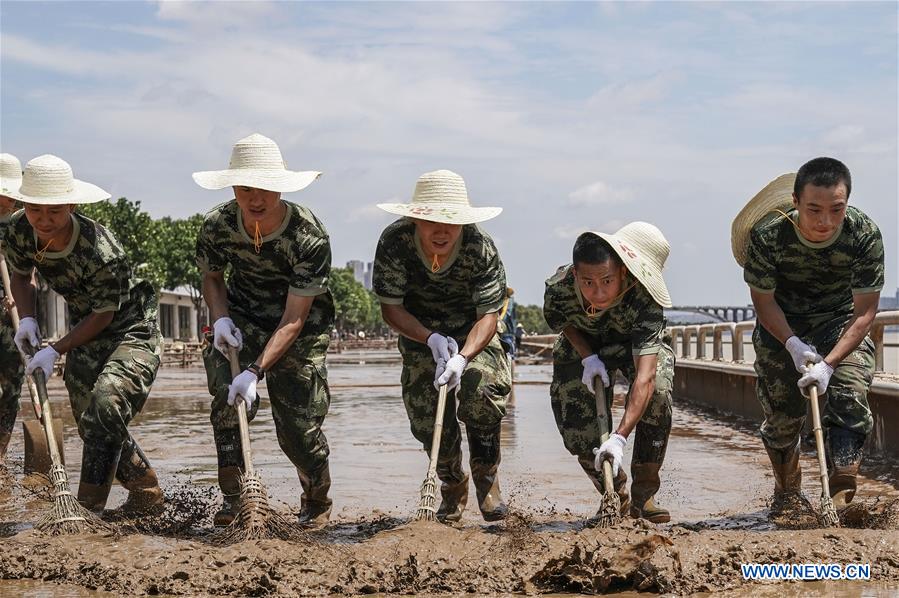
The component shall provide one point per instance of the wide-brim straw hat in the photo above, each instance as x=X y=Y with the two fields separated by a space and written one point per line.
x=441 y=196
x=10 y=174
x=256 y=162
x=644 y=250
x=48 y=181
x=776 y=196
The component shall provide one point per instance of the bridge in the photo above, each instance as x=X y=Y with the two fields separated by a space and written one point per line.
x=722 y=313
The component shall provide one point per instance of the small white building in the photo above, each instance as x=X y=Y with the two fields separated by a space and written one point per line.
x=177 y=315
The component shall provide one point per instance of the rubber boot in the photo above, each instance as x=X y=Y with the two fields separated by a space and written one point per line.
x=844 y=457
x=136 y=475
x=643 y=489
x=787 y=478
x=98 y=467
x=230 y=462
x=619 y=483
x=484 y=450
x=315 y=506
x=453 y=487
x=229 y=482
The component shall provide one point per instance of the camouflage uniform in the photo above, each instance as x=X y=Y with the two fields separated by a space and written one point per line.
x=813 y=283
x=632 y=327
x=12 y=372
x=471 y=283
x=295 y=259
x=108 y=378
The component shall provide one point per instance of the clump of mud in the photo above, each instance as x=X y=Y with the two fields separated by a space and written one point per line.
x=878 y=513
x=186 y=513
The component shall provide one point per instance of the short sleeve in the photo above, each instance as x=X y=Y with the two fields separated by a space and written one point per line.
x=867 y=265
x=389 y=276
x=489 y=282
x=760 y=270
x=210 y=257
x=312 y=268
x=14 y=249
x=647 y=331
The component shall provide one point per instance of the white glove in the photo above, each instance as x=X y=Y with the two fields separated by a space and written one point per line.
x=43 y=359
x=593 y=367
x=442 y=347
x=244 y=384
x=819 y=375
x=613 y=450
x=801 y=353
x=452 y=375
x=29 y=333
x=226 y=334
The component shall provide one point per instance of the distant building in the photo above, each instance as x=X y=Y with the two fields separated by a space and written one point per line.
x=888 y=303
x=361 y=272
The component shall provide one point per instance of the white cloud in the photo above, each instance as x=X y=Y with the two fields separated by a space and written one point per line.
x=600 y=193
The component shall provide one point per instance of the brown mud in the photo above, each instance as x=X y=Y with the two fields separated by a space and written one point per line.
x=715 y=482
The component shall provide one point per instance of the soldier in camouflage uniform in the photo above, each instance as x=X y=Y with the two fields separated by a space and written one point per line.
x=441 y=285
x=815 y=273
x=608 y=306
x=276 y=309
x=12 y=372
x=113 y=347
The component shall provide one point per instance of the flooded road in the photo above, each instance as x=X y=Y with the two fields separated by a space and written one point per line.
x=711 y=471
x=715 y=481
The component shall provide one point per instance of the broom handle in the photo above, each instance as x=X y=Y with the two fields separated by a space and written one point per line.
x=249 y=471
x=14 y=316
x=819 y=440
x=41 y=383
x=604 y=417
x=438 y=431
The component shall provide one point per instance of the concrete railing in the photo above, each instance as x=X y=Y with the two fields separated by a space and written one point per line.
x=724 y=379
x=691 y=342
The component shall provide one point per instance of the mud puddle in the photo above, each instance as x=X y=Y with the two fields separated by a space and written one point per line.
x=715 y=482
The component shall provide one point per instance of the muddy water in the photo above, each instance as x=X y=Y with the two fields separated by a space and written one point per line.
x=712 y=472
x=715 y=482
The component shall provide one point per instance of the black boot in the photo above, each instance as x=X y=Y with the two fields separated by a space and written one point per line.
x=453 y=487
x=230 y=468
x=315 y=506
x=787 y=480
x=844 y=457
x=98 y=466
x=136 y=475
x=484 y=452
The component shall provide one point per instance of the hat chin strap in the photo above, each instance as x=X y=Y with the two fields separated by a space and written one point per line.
x=435 y=264
x=593 y=311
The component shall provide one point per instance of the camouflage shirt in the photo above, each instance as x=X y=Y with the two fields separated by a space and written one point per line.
x=632 y=326
x=295 y=259
x=471 y=283
x=92 y=274
x=814 y=282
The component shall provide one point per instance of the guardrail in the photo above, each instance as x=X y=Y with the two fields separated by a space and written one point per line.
x=729 y=338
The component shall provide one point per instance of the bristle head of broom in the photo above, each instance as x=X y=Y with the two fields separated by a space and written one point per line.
x=66 y=515
x=828 y=515
x=257 y=520
x=427 y=504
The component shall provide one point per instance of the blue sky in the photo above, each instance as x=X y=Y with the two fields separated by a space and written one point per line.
x=571 y=116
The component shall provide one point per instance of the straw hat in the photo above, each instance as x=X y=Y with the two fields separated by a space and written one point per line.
x=48 y=181
x=644 y=250
x=441 y=196
x=10 y=174
x=777 y=195
x=256 y=162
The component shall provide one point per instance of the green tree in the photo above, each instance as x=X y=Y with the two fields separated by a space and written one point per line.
x=138 y=234
x=352 y=303
x=176 y=244
x=531 y=318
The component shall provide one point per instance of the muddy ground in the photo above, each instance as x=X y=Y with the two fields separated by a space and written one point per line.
x=715 y=482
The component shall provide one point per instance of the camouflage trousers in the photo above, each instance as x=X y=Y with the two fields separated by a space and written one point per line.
x=108 y=381
x=297 y=389
x=480 y=404
x=574 y=408
x=12 y=373
x=845 y=403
